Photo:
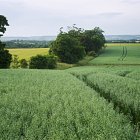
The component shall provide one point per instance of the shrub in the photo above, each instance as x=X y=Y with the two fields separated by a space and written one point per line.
x=23 y=63
x=15 y=62
x=43 y=62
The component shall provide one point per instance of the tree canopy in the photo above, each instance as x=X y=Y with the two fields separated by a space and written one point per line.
x=67 y=46
x=72 y=45
x=5 y=56
x=93 y=40
x=3 y=23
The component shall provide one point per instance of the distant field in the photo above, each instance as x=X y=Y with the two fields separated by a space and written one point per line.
x=27 y=53
x=123 y=44
x=113 y=54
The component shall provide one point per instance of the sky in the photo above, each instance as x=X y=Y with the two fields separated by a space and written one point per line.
x=45 y=17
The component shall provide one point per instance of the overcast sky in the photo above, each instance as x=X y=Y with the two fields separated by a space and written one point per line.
x=45 y=17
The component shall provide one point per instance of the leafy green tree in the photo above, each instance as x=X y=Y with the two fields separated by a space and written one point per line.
x=71 y=46
x=93 y=40
x=67 y=46
x=43 y=62
x=23 y=63
x=75 y=32
x=3 y=23
x=5 y=56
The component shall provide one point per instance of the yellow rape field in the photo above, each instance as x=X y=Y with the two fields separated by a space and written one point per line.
x=27 y=53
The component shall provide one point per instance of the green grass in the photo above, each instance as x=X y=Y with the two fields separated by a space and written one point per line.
x=55 y=105
x=84 y=61
x=63 y=66
x=113 y=52
x=27 y=53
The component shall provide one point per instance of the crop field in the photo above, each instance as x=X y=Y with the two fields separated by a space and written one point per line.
x=123 y=44
x=126 y=53
x=56 y=105
x=80 y=103
x=119 y=85
x=27 y=53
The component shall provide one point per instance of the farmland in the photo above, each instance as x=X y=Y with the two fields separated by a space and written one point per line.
x=119 y=85
x=96 y=102
x=37 y=104
x=27 y=53
x=111 y=55
x=116 y=54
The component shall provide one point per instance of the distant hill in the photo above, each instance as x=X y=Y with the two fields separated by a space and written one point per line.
x=36 y=38
x=50 y=38
x=122 y=37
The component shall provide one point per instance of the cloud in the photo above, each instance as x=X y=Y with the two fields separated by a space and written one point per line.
x=131 y=1
x=110 y=14
x=40 y=17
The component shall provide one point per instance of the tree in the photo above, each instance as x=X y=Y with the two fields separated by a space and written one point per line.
x=23 y=63
x=3 y=23
x=93 y=40
x=5 y=56
x=67 y=46
x=43 y=62
x=71 y=46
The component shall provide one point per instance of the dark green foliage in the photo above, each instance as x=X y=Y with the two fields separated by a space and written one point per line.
x=51 y=61
x=3 y=23
x=75 y=32
x=43 y=62
x=67 y=48
x=71 y=46
x=5 y=56
x=23 y=63
x=91 y=53
x=93 y=40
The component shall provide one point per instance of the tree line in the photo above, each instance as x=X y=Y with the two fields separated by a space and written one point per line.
x=26 y=44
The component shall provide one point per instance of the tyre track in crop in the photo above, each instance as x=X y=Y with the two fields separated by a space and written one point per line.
x=118 y=105
x=124 y=54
